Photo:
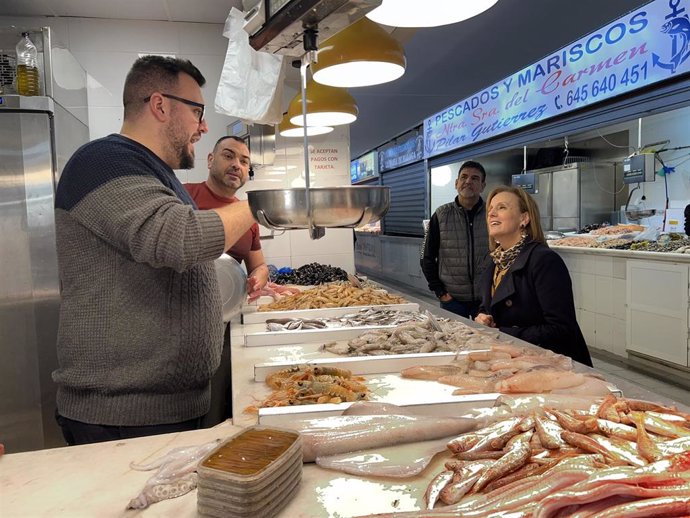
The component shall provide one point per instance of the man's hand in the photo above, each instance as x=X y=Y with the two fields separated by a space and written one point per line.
x=446 y=297
x=485 y=320
x=257 y=279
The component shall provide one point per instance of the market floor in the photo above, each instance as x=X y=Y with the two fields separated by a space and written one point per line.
x=603 y=361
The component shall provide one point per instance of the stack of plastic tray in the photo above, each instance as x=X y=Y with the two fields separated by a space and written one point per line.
x=254 y=473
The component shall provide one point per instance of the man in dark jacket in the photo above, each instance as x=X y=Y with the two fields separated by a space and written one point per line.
x=456 y=244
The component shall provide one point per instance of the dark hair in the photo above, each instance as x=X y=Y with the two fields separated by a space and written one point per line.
x=226 y=137
x=151 y=74
x=471 y=164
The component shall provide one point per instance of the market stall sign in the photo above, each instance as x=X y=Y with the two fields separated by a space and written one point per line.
x=364 y=168
x=405 y=149
x=643 y=47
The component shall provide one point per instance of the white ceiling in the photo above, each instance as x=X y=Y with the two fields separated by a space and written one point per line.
x=444 y=64
x=201 y=11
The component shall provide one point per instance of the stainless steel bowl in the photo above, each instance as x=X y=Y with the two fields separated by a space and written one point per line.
x=331 y=207
x=637 y=215
x=232 y=281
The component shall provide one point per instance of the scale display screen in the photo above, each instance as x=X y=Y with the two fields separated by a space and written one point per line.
x=639 y=168
x=526 y=181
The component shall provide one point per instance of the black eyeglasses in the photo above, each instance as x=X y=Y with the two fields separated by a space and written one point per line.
x=185 y=101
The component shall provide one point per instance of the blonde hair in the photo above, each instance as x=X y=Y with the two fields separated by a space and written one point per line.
x=527 y=204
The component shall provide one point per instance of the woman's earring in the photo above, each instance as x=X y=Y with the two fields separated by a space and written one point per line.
x=523 y=233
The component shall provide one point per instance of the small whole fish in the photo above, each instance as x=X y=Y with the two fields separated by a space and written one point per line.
x=514 y=459
x=433 y=492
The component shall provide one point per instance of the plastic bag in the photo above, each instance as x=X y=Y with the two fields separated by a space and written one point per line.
x=251 y=83
x=649 y=234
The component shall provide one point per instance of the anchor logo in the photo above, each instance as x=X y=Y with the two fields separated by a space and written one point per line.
x=678 y=28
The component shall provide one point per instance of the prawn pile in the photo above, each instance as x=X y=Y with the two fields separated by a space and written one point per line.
x=626 y=457
x=509 y=369
x=303 y=385
x=333 y=296
x=416 y=337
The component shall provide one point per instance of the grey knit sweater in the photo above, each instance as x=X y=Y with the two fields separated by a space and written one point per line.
x=140 y=330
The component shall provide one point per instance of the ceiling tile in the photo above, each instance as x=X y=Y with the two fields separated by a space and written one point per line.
x=27 y=8
x=120 y=9
x=204 y=11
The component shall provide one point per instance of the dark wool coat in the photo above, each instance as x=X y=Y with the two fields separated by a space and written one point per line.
x=534 y=302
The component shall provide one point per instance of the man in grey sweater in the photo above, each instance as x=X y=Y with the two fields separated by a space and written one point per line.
x=140 y=332
x=456 y=244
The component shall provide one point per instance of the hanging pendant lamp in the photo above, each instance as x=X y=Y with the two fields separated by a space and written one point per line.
x=287 y=129
x=432 y=13
x=363 y=54
x=326 y=106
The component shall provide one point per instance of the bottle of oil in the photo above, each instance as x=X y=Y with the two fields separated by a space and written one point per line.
x=27 y=67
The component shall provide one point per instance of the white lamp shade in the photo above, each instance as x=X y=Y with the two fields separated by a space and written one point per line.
x=290 y=130
x=430 y=13
x=324 y=118
x=359 y=73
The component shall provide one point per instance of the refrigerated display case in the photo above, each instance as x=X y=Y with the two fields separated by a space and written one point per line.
x=37 y=136
x=573 y=195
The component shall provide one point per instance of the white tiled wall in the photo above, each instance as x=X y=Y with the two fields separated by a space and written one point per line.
x=599 y=288
x=106 y=49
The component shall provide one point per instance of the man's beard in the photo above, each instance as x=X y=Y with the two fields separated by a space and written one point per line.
x=178 y=146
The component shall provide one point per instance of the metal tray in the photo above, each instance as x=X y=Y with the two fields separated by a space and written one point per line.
x=307 y=335
x=434 y=404
x=257 y=317
x=359 y=365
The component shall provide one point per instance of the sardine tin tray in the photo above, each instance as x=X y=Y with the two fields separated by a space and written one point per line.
x=436 y=405
x=261 y=316
x=307 y=335
x=360 y=365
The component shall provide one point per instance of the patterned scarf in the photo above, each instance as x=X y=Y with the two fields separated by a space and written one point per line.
x=504 y=259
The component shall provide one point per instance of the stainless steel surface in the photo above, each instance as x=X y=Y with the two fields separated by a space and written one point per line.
x=566 y=202
x=597 y=192
x=637 y=215
x=29 y=291
x=232 y=281
x=574 y=195
x=37 y=136
x=348 y=206
x=283 y=32
x=543 y=198
x=38 y=103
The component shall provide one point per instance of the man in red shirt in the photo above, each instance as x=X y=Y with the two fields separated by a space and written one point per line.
x=228 y=167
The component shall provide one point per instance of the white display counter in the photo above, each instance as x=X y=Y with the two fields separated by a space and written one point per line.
x=634 y=305
x=96 y=480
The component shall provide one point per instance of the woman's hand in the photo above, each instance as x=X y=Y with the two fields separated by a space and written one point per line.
x=485 y=320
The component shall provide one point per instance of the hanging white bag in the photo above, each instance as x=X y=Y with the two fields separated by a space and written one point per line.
x=251 y=82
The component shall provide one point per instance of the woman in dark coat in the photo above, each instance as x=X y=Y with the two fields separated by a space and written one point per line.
x=527 y=292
